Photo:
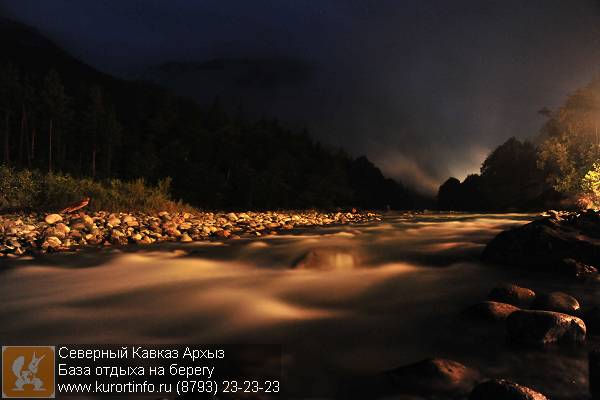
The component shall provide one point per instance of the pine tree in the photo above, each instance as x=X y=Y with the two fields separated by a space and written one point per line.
x=55 y=106
x=9 y=89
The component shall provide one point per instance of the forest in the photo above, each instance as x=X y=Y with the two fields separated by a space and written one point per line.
x=559 y=168
x=61 y=116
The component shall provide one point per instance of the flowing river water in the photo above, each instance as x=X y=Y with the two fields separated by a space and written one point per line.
x=345 y=302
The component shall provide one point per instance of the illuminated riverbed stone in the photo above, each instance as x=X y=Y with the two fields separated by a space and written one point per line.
x=539 y=328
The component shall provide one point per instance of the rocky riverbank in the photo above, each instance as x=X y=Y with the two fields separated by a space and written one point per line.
x=531 y=321
x=34 y=234
x=563 y=242
x=566 y=243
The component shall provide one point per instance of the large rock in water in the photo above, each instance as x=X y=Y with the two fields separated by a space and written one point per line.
x=548 y=241
x=557 y=301
x=539 y=328
x=434 y=376
x=500 y=389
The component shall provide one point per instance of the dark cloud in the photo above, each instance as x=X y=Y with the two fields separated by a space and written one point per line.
x=424 y=88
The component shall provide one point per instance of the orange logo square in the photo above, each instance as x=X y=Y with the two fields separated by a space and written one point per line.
x=28 y=372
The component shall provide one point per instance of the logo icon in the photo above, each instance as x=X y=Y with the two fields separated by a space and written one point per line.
x=27 y=372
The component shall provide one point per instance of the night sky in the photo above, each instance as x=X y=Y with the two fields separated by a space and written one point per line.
x=424 y=88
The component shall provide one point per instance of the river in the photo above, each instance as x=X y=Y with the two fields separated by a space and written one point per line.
x=367 y=298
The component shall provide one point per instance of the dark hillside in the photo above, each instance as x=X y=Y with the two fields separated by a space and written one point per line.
x=62 y=115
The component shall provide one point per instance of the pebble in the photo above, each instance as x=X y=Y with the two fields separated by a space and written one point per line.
x=52 y=218
x=31 y=234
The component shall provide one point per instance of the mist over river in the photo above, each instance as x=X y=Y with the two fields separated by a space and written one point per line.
x=346 y=302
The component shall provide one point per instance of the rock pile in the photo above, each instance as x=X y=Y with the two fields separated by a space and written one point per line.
x=534 y=319
x=36 y=234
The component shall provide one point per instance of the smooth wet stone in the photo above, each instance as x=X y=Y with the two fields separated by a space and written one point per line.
x=500 y=389
x=435 y=376
x=539 y=328
x=512 y=294
x=492 y=310
x=557 y=301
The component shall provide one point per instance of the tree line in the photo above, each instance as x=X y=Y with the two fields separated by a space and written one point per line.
x=560 y=168
x=44 y=128
x=65 y=124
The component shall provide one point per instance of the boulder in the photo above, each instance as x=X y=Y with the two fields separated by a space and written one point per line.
x=557 y=301
x=500 y=389
x=545 y=242
x=539 y=328
x=512 y=294
x=52 y=219
x=492 y=310
x=434 y=376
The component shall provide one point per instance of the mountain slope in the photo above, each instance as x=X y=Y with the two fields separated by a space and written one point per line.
x=216 y=160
